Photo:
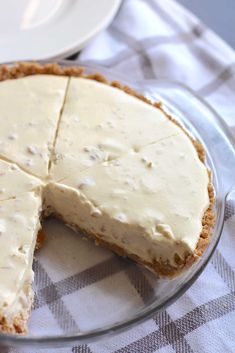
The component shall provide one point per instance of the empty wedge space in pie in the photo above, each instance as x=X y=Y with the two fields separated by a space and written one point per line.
x=106 y=161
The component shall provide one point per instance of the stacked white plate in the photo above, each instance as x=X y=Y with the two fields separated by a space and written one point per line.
x=50 y=29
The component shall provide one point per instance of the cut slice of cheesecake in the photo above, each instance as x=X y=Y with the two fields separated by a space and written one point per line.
x=19 y=225
x=20 y=209
x=29 y=112
x=101 y=123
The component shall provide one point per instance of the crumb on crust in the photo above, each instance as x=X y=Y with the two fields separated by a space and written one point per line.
x=17 y=325
x=40 y=239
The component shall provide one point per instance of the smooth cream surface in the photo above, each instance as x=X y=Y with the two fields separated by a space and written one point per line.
x=29 y=112
x=100 y=123
x=14 y=181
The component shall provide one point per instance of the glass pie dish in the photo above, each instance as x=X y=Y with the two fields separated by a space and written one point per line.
x=79 y=297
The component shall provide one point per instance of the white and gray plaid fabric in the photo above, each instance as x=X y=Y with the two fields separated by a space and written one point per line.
x=152 y=39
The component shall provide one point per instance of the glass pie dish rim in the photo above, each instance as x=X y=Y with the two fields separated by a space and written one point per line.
x=93 y=335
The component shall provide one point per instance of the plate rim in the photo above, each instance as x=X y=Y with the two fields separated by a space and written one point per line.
x=77 y=45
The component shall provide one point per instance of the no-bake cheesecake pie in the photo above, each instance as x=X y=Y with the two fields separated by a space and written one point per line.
x=105 y=160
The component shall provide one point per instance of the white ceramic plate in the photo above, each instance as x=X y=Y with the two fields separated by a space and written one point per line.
x=50 y=29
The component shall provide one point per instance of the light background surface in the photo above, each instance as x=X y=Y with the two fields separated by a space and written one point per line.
x=217 y=14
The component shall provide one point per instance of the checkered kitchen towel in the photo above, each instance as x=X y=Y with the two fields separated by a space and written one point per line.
x=149 y=39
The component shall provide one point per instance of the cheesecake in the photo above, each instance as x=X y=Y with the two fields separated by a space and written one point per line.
x=105 y=160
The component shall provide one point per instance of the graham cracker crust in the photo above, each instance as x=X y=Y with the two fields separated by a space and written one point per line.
x=19 y=323
x=40 y=239
x=16 y=326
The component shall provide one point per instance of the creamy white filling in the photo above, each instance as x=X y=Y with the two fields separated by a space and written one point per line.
x=77 y=211
x=17 y=243
x=151 y=202
x=29 y=112
x=100 y=123
x=162 y=188
x=14 y=181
